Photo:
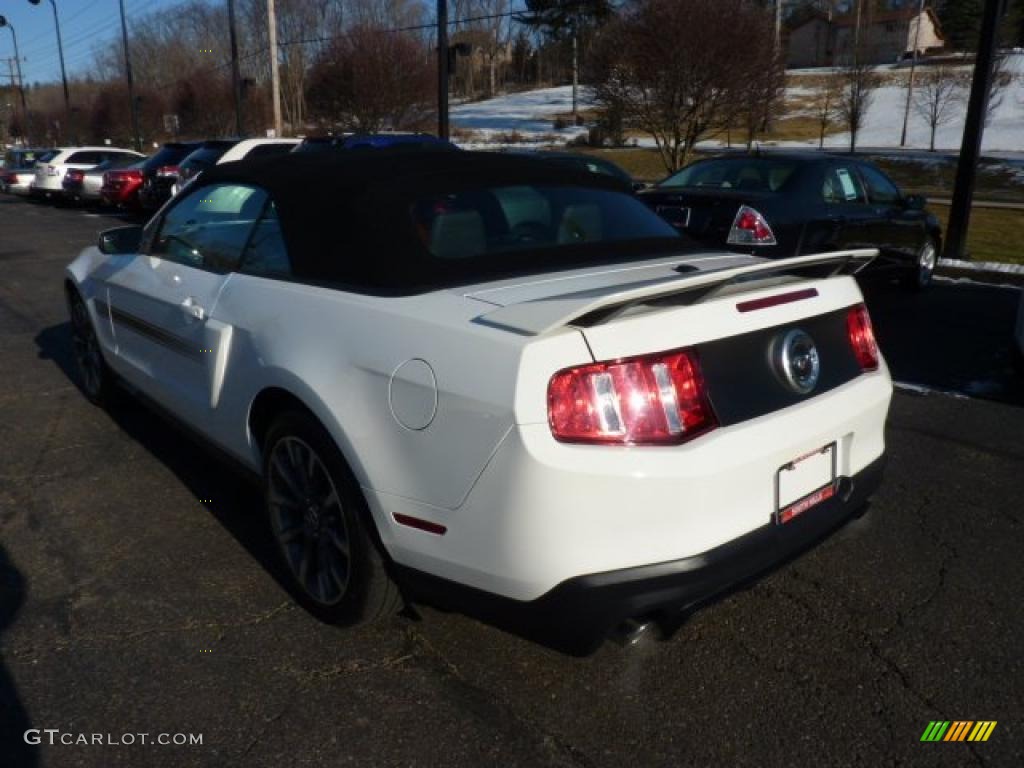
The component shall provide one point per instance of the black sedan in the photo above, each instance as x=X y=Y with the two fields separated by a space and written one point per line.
x=160 y=172
x=800 y=203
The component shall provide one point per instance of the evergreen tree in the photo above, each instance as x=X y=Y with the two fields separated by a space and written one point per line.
x=961 y=22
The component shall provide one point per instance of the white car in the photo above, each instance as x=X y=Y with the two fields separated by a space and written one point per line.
x=50 y=174
x=493 y=379
x=213 y=153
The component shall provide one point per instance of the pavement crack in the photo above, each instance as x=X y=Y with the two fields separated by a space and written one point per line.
x=188 y=626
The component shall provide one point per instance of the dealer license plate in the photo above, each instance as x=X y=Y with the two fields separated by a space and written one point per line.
x=805 y=482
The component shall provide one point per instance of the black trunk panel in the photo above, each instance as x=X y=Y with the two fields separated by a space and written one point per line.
x=741 y=379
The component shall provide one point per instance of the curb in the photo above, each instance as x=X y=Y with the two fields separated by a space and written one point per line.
x=985 y=271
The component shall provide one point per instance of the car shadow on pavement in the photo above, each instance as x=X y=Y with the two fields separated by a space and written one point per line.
x=14 y=720
x=205 y=472
x=953 y=336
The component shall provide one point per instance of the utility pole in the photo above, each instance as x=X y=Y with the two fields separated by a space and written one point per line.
x=910 y=83
x=575 y=67
x=275 y=72
x=236 y=78
x=778 y=26
x=133 y=106
x=974 y=128
x=21 y=83
x=63 y=72
x=442 y=69
x=856 y=34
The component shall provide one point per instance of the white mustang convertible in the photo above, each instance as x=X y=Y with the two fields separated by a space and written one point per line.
x=492 y=380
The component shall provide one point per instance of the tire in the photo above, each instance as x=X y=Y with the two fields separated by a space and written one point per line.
x=95 y=378
x=321 y=526
x=920 y=276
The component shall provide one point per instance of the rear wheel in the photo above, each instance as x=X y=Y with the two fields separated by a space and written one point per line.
x=319 y=520
x=95 y=378
x=924 y=267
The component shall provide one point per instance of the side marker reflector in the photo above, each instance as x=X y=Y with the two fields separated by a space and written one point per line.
x=422 y=525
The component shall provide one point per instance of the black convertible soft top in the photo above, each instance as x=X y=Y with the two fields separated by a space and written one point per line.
x=346 y=216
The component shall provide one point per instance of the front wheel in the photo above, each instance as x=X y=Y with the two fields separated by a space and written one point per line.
x=319 y=520
x=924 y=267
x=95 y=377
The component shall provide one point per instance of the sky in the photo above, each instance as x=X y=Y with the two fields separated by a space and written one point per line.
x=84 y=25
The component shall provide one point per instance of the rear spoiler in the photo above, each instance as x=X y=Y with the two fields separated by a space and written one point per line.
x=533 y=318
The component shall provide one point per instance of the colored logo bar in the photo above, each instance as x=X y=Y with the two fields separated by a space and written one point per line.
x=958 y=730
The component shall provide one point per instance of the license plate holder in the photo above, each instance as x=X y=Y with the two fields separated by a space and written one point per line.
x=804 y=482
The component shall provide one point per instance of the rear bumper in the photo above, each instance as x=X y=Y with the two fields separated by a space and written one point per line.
x=578 y=613
x=604 y=599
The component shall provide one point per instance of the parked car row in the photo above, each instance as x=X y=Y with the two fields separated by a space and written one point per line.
x=769 y=205
x=126 y=179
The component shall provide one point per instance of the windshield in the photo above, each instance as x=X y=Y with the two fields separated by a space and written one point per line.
x=479 y=223
x=759 y=174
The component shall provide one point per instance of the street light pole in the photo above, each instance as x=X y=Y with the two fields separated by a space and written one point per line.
x=21 y=83
x=63 y=72
x=974 y=128
x=128 y=77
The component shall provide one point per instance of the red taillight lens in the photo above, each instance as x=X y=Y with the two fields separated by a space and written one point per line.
x=74 y=175
x=862 y=337
x=651 y=400
x=750 y=228
x=167 y=170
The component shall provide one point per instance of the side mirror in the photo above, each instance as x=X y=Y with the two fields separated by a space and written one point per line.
x=640 y=186
x=120 y=240
x=915 y=202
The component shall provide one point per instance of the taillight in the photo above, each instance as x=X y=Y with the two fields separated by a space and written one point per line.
x=862 y=337
x=74 y=175
x=651 y=400
x=750 y=228
x=167 y=170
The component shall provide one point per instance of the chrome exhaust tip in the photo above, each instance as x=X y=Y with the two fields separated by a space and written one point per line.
x=631 y=631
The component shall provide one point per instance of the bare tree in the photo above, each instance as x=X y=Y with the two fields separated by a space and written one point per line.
x=370 y=79
x=1001 y=79
x=826 y=101
x=760 y=92
x=940 y=91
x=859 y=81
x=676 y=80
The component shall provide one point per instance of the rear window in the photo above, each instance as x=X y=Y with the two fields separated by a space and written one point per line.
x=269 y=150
x=477 y=225
x=168 y=155
x=204 y=158
x=758 y=174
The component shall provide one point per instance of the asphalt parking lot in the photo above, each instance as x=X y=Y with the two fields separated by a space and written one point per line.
x=138 y=592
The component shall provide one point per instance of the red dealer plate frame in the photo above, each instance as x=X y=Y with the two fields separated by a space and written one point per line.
x=816 y=470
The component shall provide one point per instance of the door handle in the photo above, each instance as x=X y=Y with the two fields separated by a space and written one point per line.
x=192 y=309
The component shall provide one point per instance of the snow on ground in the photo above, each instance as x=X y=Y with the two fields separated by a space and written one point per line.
x=1004 y=132
x=531 y=114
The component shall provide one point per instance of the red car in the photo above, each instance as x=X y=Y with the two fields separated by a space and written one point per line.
x=121 y=186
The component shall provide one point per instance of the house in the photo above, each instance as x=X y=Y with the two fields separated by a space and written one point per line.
x=819 y=39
